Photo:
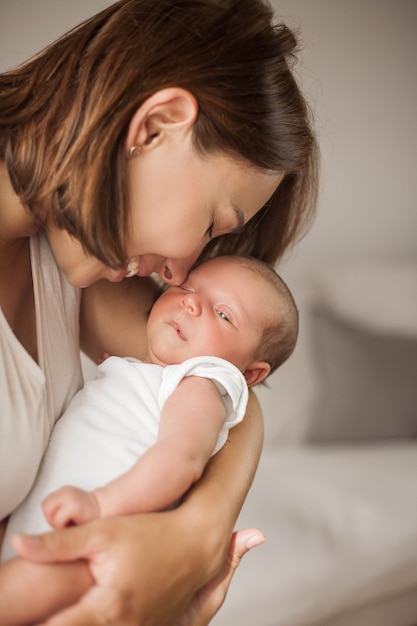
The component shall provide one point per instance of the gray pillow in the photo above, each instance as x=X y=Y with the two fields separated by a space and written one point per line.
x=368 y=382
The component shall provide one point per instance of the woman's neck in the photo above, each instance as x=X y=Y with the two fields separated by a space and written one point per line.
x=16 y=288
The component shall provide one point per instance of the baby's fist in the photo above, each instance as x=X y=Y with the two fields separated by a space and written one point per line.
x=69 y=506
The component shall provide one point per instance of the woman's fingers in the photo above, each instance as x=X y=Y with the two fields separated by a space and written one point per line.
x=69 y=544
x=113 y=599
x=74 y=616
x=242 y=541
x=100 y=606
x=210 y=598
x=122 y=556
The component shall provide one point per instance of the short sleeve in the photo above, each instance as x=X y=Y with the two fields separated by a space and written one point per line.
x=228 y=379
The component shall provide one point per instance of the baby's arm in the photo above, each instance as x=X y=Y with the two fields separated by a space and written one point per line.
x=190 y=422
x=31 y=592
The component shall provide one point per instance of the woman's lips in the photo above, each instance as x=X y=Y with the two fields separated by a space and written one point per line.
x=118 y=277
x=138 y=266
x=132 y=268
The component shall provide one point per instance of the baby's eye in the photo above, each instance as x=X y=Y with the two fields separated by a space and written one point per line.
x=223 y=315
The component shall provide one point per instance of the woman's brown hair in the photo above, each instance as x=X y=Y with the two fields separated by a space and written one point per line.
x=64 y=115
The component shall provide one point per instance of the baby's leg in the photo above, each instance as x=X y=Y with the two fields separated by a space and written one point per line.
x=31 y=592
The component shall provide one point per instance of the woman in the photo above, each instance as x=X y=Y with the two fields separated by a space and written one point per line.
x=157 y=132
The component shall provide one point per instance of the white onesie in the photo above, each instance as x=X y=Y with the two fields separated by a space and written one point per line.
x=111 y=422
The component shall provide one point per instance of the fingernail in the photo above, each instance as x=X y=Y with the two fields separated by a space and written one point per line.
x=255 y=540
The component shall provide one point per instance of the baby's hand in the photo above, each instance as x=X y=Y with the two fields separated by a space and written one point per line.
x=102 y=358
x=70 y=506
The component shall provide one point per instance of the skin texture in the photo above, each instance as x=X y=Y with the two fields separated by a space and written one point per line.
x=204 y=605
x=178 y=200
x=208 y=314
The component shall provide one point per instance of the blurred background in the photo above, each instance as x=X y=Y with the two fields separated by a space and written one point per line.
x=337 y=499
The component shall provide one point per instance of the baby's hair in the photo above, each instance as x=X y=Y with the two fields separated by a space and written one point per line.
x=280 y=334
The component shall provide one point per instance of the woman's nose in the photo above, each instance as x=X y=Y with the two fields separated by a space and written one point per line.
x=175 y=271
x=191 y=303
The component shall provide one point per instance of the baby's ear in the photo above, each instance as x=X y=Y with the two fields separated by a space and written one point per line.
x=256 y=372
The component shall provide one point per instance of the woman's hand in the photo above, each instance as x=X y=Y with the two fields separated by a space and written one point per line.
x=131 y=560
x=208 y=600
x=114 y=564
x=150 y=569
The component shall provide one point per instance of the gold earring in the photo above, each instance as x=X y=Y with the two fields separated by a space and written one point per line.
x=134 y=151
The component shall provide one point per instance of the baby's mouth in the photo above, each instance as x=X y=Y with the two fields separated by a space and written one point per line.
x=178 y=330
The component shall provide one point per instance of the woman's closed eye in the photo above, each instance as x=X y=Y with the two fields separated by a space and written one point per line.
x=209 y=231
x=216 y=230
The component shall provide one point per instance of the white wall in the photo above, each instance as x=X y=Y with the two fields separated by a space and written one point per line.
x=359 y=65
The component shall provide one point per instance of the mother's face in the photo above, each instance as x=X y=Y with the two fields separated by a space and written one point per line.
x=179 y=201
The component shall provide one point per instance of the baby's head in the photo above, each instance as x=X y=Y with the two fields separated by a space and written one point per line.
x=232 y=307
x=280 y=331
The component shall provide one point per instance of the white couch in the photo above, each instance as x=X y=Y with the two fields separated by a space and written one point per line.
x=336 y=489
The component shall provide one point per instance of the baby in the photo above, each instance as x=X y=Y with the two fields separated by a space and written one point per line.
x=136 y=437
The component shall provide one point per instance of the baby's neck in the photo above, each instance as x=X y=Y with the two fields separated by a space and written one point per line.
x=150 y=359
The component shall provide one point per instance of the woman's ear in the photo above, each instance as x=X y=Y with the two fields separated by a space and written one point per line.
x=256 y=372
x=168 y=110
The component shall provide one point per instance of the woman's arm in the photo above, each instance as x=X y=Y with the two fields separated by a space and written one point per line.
x=113 y=317
x=208 y=600
x=216 y=500
x=149 y=568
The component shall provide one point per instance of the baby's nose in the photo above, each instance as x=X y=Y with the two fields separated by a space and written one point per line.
x=191 y=303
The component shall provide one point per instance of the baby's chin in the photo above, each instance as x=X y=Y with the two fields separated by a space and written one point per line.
x=163 y=358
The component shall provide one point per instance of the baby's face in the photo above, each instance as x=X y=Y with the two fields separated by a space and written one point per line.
x=220 y=311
